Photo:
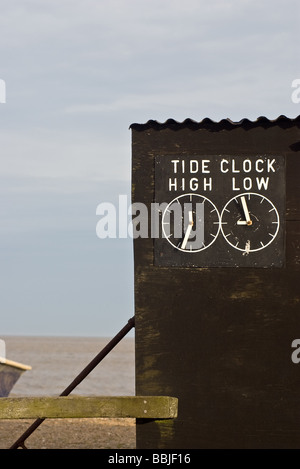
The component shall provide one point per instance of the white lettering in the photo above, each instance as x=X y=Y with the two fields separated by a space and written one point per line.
x=2 y=92
x=207 y=185
x=205 y=164
x=119 y=459
x=270 y=165
x=107 y=226
x=234 y=170
x=234 y=188
x=296 y=93
x=259 y=170
x=295 y=355
x=247 y=166
x=194 y=166
x=224 y=170
x=156 y=210
x=262 y=182
x=175 y=163
x=177 y=184
x=138 y=226
x=247 y=184
x=123 y=216
x=194 y=184
x=173 y=185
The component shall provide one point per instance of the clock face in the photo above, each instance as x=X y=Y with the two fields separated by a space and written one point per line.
x=220 y=211
x=250 y=222
x=191 y=223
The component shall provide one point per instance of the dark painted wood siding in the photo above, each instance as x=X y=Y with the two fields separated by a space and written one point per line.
x=219 y=339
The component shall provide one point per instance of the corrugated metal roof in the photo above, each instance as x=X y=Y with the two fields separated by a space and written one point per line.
x=281 y=121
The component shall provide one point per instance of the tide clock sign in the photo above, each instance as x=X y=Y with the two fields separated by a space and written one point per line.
x=220 y=210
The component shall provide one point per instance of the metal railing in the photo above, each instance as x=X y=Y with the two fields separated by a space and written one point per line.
x=20 y=443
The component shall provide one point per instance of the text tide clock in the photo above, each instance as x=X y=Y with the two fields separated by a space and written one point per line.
x=220 y=210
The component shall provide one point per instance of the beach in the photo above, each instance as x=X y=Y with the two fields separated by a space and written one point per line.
x=94 y=433
x=55 y=362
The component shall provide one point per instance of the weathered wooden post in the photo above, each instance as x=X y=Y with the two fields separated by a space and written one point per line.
x=217 y=298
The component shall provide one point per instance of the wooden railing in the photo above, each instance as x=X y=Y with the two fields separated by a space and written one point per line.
x=66 y=406
x=149 y=407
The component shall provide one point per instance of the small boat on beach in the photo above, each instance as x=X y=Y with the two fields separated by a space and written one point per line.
x=10 y=372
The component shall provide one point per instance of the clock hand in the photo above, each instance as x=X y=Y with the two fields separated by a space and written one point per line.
x=188 y=231
x=246 y=212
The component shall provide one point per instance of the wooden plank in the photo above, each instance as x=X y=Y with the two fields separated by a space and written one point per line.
x=150 y=407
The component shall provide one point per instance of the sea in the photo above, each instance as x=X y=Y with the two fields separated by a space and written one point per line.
x=57 y=361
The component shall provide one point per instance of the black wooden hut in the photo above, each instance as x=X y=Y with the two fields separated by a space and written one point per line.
x=216 y=327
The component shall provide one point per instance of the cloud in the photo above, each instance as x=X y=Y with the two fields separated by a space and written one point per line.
x=120 y=59
x=77 y=75
x=64 y=157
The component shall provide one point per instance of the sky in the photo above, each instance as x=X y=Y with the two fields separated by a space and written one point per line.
x=77 y=75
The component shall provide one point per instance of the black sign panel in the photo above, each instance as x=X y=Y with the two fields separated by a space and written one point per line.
x=219 y=211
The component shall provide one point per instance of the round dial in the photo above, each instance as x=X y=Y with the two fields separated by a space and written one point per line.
x=249 y=222
x=191 y=222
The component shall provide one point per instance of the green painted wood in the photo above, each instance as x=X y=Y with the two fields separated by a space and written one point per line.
x=150 y=407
